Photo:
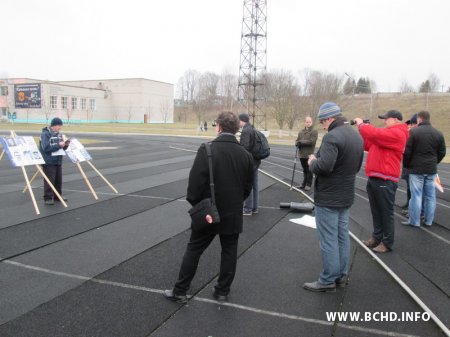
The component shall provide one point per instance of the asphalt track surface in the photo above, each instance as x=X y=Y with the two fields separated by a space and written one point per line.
x=98 y=267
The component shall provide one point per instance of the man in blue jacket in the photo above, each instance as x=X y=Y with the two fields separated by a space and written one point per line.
x=51 y=141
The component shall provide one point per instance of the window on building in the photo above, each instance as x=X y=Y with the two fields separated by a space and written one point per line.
x=92 y=104
x=4 y=111
x=64 y=102
x=3 y=91
x=83 y=104
x=74 y=103
x=53 y=102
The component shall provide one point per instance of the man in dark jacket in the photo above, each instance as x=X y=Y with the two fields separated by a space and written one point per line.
x=425 y=149
x=248 y=142
x=306 y=143
x=336 y=164
x=233 y=176
x=52 y=141
x=385 y=147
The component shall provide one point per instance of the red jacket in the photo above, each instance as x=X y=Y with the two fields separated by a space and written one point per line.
x=385 y=148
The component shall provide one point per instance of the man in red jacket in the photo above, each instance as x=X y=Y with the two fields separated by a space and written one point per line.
x=385 y=148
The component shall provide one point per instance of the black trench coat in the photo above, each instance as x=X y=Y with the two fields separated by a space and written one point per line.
x=233 y=177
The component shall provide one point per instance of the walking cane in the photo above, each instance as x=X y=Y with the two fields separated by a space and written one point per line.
x=295 y=164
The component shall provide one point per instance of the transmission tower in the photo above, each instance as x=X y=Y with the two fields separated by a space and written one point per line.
x=253 y=60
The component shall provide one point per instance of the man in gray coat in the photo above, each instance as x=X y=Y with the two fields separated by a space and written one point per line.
x=335 y=166
x=233 y=176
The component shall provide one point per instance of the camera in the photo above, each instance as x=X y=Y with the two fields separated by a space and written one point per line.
x=365 y=121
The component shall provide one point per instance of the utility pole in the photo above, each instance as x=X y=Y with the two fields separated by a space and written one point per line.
x=253 y=60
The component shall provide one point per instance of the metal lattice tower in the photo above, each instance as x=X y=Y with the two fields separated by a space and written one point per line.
x=253 y=60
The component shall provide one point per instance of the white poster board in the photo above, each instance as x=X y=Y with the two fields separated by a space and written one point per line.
x=22 y=151
x=76 y=152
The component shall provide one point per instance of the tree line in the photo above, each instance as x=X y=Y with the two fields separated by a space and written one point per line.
x=288 y=96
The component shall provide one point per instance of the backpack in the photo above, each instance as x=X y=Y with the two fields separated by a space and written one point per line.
x=261 y=148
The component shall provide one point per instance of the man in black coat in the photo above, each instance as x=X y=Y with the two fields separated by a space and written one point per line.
x=335 y=166
x=425 y=149
x=247 y=140
x=233 y=176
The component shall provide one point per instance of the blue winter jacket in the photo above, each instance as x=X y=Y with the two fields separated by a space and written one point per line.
x=50 y=143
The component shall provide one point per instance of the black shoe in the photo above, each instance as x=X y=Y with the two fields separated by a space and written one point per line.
x=317 y=286
x=49 y=202
x=63 y=198
x=182 y=299
x=406 y=223
x=341 y=282
x=220 y=298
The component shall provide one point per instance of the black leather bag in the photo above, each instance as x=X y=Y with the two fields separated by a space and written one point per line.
x=205 y=213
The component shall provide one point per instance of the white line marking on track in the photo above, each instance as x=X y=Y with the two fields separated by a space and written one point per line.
x=207 y=300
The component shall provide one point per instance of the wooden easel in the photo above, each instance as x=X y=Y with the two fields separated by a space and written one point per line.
x=88 y=182
x=83 y=174
x=28 y=182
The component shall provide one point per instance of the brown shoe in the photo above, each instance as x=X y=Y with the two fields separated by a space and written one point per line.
x=371 y=243
x=381 y=248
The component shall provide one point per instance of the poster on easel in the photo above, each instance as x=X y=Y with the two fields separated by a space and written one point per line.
x=22 y=151
x=76 y=152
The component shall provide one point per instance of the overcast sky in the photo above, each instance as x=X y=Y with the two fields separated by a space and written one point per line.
x=389 y=41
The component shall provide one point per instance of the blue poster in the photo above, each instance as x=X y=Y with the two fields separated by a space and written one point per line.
x=27 y=96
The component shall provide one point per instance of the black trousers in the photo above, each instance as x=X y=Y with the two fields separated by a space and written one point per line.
x=198 y=242
x=54 y=174
x=307 y=174
x=381 y=195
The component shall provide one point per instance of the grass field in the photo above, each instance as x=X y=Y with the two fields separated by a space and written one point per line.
x=367 y=106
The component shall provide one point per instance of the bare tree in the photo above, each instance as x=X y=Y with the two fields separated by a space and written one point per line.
x=164 y=109
x=227 y=88
x=190 y=84
x=130 y=109
x=405 y=87
x=319 y=87
x=47 y=109
x=434 y=82
x=281 y=91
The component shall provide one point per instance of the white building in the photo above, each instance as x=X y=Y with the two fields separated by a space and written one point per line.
x=133 y=100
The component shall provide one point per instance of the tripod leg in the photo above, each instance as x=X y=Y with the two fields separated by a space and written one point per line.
x=293 y=170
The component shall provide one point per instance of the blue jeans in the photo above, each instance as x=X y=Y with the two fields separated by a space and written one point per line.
x=251 y=203
x=334 y=240
x=423 y=193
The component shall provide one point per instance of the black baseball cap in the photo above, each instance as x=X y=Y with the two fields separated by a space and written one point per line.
x=392 y=114
x=413 y=120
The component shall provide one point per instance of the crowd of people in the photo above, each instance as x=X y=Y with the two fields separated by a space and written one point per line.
x=414 y=147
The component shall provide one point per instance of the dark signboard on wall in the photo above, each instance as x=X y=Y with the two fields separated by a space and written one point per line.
x=27 y=96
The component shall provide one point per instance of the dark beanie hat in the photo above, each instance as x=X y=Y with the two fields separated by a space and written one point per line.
x=244 y=117
x=56 y=121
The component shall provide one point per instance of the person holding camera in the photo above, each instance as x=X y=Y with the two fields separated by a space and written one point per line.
x=385 y=148
x=335 y=165
x=306 y=143
x=52 y=141
x=232 y=169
